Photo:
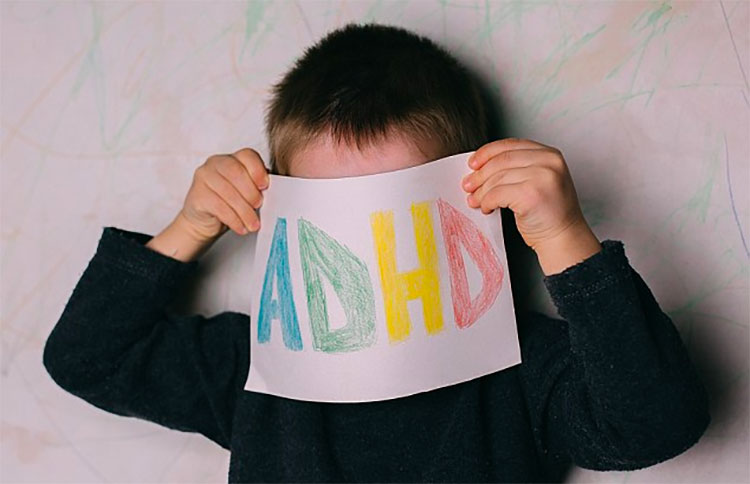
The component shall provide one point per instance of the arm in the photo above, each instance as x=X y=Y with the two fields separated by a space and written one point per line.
x=118 y=347
x=568 y=248
x=179 y=242
x=612 y=387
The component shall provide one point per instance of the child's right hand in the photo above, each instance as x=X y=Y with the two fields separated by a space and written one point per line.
x=225 y=193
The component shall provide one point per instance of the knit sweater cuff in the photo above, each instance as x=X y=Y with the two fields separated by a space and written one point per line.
x=127 y=250
x=606 y=267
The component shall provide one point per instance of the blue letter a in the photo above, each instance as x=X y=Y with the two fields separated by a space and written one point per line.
x=283 y=307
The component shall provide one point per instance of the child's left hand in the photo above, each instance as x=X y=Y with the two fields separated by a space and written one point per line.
x=532 y=180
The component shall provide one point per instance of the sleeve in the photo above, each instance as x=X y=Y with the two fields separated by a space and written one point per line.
x=118 y=346
x=610 y=387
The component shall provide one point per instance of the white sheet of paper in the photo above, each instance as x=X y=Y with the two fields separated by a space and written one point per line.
x=323 y=328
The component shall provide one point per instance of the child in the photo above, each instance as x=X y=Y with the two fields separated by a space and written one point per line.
x=609 y=388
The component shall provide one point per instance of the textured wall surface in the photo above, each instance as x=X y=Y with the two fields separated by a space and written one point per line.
x=108 y=108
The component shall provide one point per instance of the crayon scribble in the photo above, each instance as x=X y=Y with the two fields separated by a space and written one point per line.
x=459 y=229
x=282 y=308
x=349 y=276
x=422 y=282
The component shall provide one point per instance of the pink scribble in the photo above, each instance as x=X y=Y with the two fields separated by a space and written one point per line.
x=458 y=228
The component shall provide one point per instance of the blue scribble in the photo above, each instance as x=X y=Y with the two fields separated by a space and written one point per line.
x=283 y=308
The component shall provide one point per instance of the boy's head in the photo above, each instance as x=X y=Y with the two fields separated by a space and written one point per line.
x=368 y=99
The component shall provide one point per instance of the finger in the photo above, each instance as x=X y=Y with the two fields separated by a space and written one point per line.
x=234 y=172
x=504 y=177
x=504 y=196
x=487 y=151
x=219 y=208
x=504 y=160
x=229 y=194
x=253 y=163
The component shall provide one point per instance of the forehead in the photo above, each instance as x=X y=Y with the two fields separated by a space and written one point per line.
x=324 y=158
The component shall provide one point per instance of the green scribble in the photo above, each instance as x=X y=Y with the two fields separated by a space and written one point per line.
x=254 y=12
x=622 y=97
x=348 y=274
x=653 y=16
x=497 y=14
x=538 y=96
x=699 y=202
x=93 y=69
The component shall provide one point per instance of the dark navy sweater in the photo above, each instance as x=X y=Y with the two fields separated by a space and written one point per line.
x=610 y=387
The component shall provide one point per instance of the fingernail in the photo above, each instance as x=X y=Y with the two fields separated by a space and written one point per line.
x=263 y=183
x=467 y=184
x=470 y=199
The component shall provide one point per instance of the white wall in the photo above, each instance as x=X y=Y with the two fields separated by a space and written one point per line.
x=107 y=108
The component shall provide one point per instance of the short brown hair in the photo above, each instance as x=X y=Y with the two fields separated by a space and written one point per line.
x=362 y=82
